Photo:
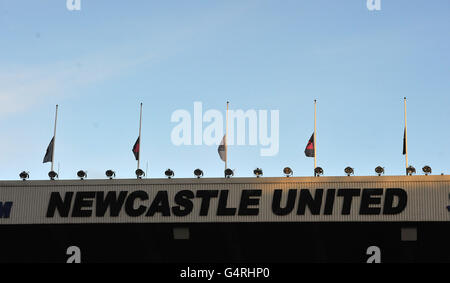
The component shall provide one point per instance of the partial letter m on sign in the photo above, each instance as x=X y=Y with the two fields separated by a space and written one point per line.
x=5 y=209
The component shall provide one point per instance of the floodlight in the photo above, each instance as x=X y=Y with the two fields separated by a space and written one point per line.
x=426 y=169
x=318 y=171
x=198 y=173
x=228 y=173
x=110 y=174
x=24 y=175
x=288 y=171
x=81 y=174
x=169 y=173
x=349 y=171
x=139 y=173
x=52 y=175
x=379 y=170
x=410 y=170
x=258 y=172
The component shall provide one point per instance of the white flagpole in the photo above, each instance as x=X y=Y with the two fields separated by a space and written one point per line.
x=54 y=138
x=315 y=135
x=140 y=141
x=406 y=140
x=226 y=138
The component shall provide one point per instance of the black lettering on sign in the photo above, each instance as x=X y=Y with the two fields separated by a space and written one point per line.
x=112 y=201
x=160 y=204
x=83 y=200
x=183 y=199
x=369 y=197
x=313 y=203
x=206 y=196
x=5 y=209
x=329 y=202
x=81 y=204
x=222 y=209
x=57 y=203
x=246 y=201
x=348 y=195
x=290 y=202
x=129 y=204
x=391 y=195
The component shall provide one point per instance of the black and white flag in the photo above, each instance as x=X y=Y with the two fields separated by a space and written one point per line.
x=222 y=149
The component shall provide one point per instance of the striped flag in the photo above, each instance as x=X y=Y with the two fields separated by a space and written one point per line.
x=222 y=150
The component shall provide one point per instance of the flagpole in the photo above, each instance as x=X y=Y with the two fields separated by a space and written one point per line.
x=54 y=137
x=406 y=140
x=315 y=136
x=140 y=141
x=226 y=138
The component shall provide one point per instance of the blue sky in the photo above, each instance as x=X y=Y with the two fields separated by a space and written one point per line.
x=100 y=62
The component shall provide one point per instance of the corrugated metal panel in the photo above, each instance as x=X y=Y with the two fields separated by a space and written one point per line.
x=428 y=198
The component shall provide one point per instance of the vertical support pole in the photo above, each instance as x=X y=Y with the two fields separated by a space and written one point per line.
x=140 y=140
x=315 y=136
x=406 y=140
x=54 y=138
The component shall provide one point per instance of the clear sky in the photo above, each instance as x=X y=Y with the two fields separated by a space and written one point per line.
x=100 y=62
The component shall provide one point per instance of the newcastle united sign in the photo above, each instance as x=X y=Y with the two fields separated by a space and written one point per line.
x=324 y=199
x=141 y=203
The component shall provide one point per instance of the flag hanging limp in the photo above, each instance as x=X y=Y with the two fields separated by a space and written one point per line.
x=309 y=150
x=404 y=142
x=221 y=149
x=49 y=153
x=136 y=149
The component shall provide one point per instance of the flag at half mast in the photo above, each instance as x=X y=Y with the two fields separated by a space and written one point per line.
x=136 y=148
x=49 y=153
x=404 y=142
x=222 y=149
x=309 y=150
